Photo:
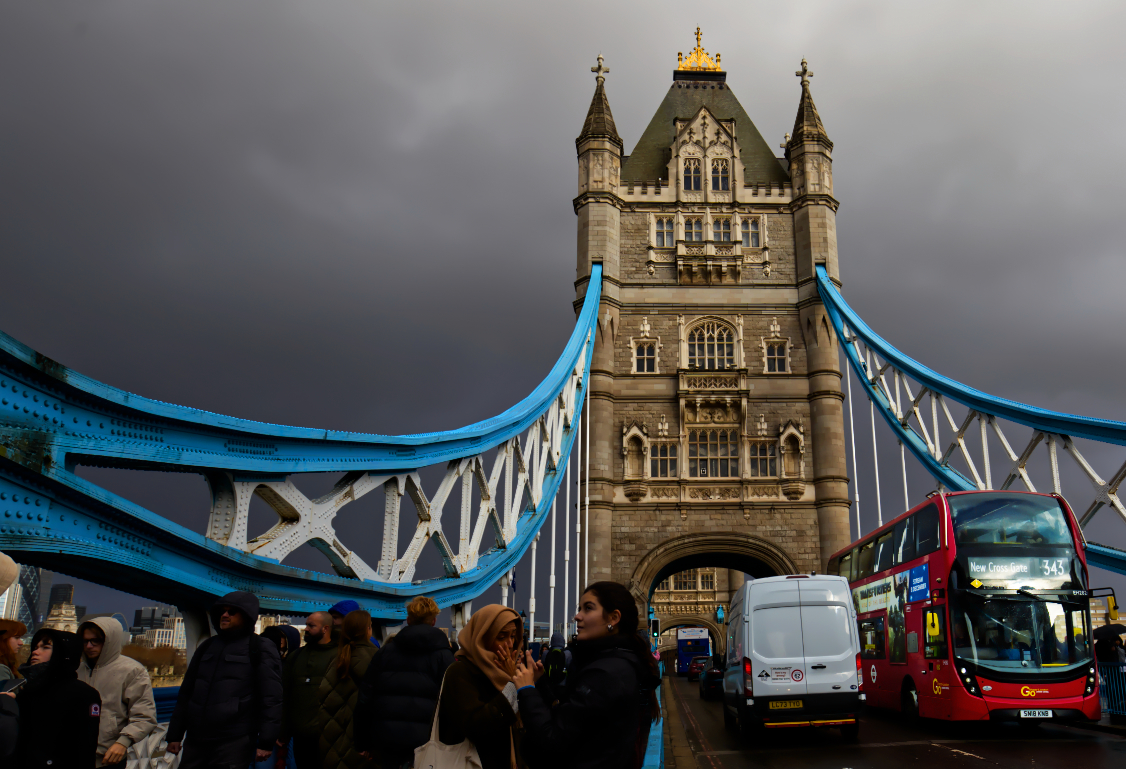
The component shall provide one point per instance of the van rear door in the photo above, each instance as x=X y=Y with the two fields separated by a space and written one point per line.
x=829 y=636
x=777 y=656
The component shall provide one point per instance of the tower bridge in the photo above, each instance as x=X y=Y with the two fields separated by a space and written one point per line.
x=700 y=395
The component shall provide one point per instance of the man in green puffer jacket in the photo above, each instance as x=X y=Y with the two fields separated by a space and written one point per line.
x=302 y=693
x=128 y=709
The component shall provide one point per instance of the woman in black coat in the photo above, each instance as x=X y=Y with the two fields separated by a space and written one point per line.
x=59 y=714
x=602 y=719
x=399 y=691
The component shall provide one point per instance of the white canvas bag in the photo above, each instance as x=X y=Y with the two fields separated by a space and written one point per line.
x=437 y=755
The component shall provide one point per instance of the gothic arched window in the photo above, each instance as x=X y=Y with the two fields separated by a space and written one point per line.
x=720 y=174
x=750 y=233
x=664 y=233
x=692 y=174
x=711 y=346
x=713 y=453
x=776 y=357
x=693 y=228
x=721 y=229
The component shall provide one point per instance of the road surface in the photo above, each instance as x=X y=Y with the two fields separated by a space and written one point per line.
x=698 y=740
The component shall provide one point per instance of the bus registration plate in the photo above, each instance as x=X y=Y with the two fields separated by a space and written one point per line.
x=1036 y=714
x=785 y=705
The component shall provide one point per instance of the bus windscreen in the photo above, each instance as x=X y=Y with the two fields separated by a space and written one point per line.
x=1019 y=633
x=1008 y=519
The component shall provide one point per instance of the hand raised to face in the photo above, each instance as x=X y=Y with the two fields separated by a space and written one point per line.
x=506 y=659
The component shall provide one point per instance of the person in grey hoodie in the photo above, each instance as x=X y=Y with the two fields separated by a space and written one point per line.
x=128 y=708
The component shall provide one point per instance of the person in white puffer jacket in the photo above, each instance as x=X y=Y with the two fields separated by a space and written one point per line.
x=128 y=707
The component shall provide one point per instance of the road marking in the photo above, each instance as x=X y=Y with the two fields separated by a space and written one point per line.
x=962 y=752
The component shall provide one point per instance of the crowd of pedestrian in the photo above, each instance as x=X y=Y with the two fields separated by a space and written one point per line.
x=339 y=700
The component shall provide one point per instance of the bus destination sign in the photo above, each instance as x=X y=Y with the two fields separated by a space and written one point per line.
x=1016 y=568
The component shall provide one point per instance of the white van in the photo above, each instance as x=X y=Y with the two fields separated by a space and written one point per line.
x=793 y=655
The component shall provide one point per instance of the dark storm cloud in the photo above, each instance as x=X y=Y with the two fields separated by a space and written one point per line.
x=358 y=215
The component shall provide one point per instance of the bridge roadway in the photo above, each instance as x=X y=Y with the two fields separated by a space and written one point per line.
x=696 y=739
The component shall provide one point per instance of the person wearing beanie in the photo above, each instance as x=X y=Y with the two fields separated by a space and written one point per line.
x=11 y=631
x=9 y=572
x=58 y=714
x=399 y=692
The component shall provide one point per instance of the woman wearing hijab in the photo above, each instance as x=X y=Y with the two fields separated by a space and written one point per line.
x=603 y=717
x=478 y=700
x=59 y=715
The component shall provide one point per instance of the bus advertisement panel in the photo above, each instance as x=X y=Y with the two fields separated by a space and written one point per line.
x=974 y=606
x=691 y=642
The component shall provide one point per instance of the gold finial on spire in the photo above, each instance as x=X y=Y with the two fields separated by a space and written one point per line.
x=804 y=73
x=698 y=60
x=600 y=71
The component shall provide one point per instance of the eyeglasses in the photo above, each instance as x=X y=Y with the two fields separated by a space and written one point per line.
x=92 y=642
x=228 y=612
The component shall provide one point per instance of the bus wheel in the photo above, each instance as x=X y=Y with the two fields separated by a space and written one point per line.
x=851 y=732
x=909 y=703
x=728 y=719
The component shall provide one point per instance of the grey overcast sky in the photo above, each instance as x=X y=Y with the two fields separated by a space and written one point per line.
x=358 y=215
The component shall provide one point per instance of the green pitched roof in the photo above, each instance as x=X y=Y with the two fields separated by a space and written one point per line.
x=649 y=159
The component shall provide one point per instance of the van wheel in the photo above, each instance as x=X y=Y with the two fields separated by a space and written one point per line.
x=909 y=704
x=748 y=724
x=850 y=732
x=728 y=719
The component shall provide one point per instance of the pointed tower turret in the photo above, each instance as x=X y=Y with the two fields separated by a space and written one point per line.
x=815 y=242
x=810 y=156
x=598 y=205
x=599 y=122
x=599 y=212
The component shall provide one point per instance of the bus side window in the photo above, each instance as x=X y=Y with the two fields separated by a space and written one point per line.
x=883 y=552
x=867 y=559
x=935 y=633
x=846 y=566
x=905 y=540
x=834 y=566
x=927 y=534
x=872 y=638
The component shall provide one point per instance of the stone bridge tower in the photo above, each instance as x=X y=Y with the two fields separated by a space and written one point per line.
x=716 y=397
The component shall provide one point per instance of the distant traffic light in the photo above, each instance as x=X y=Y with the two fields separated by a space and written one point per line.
x=655 y=628
x=719 y=614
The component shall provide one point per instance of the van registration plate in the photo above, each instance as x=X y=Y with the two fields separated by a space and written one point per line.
x=1036 y=714
x=785 y=705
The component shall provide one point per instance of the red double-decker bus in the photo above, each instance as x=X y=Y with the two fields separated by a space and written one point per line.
x=974 y=606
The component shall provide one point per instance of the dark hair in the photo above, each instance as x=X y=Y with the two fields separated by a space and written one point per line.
x=275 y=634
x=615 y=597
x=353 y=632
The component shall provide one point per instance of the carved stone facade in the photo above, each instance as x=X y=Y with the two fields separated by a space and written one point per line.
x=716 y=394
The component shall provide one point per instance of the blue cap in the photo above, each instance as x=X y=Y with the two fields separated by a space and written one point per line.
x=344 y=608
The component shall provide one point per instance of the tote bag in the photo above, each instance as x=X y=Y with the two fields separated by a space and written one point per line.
x=437 y=755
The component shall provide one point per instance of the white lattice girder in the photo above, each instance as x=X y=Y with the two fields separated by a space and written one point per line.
x=523 y=466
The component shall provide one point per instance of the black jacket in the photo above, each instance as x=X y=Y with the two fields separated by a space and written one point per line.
x=605 y=704
x=233 y=684
x=59 y=714
x=399 y=692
